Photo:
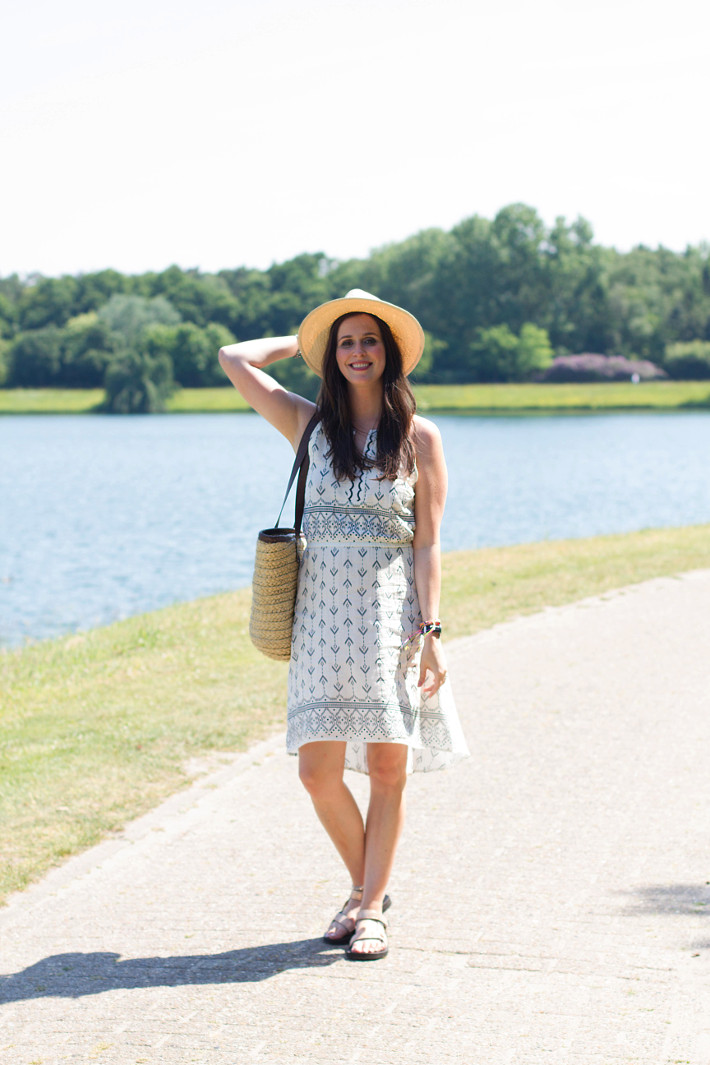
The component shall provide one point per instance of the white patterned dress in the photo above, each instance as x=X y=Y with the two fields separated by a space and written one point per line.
x=350 y=678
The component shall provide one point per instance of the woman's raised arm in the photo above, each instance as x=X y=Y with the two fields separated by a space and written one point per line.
x=243 y=364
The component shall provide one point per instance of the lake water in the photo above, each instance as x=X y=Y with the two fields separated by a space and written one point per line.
x=102 y=517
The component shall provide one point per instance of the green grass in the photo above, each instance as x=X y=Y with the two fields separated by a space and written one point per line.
x=615 y=395
x=484 y=399
x=483 y=588
x=50 y=400
x=98 y=727
x=206 y=400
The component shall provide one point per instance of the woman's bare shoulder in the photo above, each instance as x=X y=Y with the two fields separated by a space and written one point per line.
x=427 y=437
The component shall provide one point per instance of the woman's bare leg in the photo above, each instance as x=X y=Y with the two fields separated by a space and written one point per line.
x=321 y=766
x=387 y=766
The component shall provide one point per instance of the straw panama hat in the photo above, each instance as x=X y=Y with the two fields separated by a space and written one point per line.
x=315 y=327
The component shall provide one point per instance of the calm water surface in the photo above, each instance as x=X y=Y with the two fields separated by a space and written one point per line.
x=106 y=517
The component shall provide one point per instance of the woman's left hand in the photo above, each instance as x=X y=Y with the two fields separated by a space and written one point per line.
x=432 y=668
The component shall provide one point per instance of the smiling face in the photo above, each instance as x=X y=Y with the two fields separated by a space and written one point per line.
x=360 y=350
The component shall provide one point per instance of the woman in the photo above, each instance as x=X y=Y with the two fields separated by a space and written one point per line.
x=367 y=679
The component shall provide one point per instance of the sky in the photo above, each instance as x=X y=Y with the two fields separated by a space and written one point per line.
x=229 y=133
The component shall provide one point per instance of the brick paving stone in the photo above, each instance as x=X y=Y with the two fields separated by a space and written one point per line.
x=551 y=894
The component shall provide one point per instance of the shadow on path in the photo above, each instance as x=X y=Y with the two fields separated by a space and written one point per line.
x=78 y=974
x=672 y=899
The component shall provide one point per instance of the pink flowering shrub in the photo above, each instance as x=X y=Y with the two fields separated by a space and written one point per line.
x=589 y=367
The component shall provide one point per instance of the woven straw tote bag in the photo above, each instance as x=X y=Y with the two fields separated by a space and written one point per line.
x=276 y=569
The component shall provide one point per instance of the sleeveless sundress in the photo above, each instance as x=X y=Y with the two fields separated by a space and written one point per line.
x=350 y=676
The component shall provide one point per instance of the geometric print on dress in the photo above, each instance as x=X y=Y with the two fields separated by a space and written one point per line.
x=352 y=525
x=350 y=679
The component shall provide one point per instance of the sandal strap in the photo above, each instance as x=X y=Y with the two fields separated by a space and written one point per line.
x=372 y=915
x=352 y=897
x=342 y=918
x=369 y=935
x=343 y=921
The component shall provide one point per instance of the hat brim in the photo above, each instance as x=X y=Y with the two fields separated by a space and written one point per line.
x=315 y=329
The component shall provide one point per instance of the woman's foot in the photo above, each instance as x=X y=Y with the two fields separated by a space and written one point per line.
x=342 y=926
x=370 y=940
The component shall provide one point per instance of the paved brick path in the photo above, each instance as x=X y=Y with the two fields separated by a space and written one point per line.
x=551 y=896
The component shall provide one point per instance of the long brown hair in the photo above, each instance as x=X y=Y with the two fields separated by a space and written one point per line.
x=394 y=447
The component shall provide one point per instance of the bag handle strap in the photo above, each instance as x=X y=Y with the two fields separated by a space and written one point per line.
x=300 y=463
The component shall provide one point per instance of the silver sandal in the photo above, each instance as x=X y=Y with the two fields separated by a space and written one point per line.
x=342 y=920
x=348 y=923
x=373 y=918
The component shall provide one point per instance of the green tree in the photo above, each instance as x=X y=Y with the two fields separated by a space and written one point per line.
x=8 y=316
x=296 y=287
x=128 y=316
x=496 y=354
x=534 y=351
x=425 y=368
x=46 y=301
x=138 y=384
x=93 y=290
x=35 y=359
x=4 y=354
x=251 y=291
x=406 y=273
x=192 y=350
x=636 y=305
x=136 y=381
x=689 y=361
x=198 y=298
x=87 y=348
x=465 y=291
x=493 y=354
x=576 y=279
x=367 y=274
x=519 y=237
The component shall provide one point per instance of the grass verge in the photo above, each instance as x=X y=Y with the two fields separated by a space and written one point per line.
x=98 y=727
x=463 y=399
x=613 y=395
x=50 y=400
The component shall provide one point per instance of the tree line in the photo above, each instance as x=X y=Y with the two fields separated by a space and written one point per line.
x=499 y=299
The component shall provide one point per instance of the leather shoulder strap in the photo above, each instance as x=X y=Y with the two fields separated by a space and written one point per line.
x=300 y=463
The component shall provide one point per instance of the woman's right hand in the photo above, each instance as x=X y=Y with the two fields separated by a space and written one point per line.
x=432 y=666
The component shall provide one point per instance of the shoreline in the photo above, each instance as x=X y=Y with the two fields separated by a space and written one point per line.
x=617 y=396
